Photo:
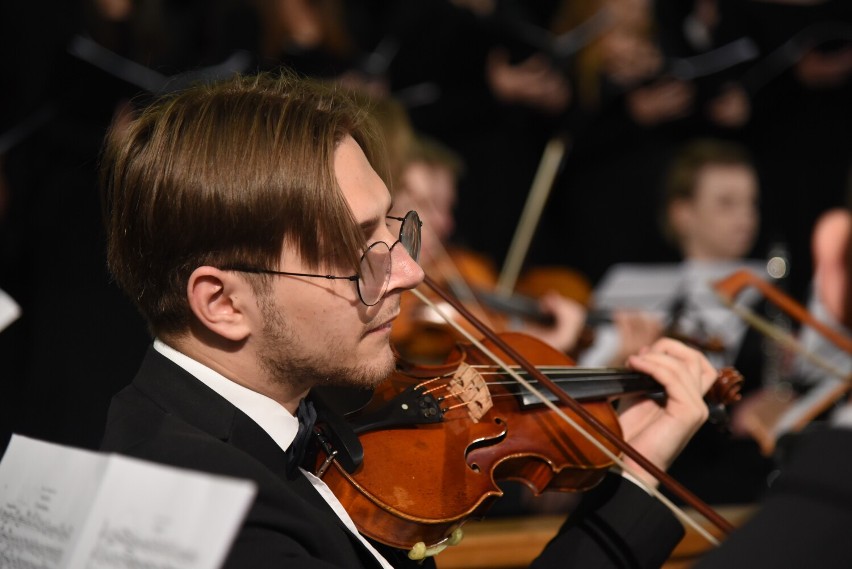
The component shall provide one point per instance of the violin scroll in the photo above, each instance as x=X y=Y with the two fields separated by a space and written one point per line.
x=727 y=387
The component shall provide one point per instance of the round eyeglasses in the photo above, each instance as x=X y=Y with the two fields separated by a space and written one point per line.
x=374 y=269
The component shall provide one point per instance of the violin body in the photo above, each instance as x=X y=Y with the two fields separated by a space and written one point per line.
x=424 y=476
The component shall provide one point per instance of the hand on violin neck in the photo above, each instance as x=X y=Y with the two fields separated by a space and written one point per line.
x=568 y=319
x=636 y=330
x=659 y=432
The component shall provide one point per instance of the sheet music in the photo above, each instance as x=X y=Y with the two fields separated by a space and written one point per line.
x=68 y=508
x=656 y=289
x=44 y=499
x=648 y=287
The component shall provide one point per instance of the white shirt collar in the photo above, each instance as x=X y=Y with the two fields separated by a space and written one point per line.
x=272 y=417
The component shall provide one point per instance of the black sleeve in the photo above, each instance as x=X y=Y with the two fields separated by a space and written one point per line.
x=806 y=517
x=617 y=524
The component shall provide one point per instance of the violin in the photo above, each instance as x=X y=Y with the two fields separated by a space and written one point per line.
x=434 y=441
x=421 y=334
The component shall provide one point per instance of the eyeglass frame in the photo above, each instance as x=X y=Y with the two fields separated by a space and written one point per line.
x=354 y=278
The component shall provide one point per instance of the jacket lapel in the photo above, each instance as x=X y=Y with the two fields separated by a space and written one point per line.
x=181 y=394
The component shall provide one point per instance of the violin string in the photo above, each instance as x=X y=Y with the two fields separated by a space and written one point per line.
x=456 y=406
x=434 y=389
x=452 y=393
x=555 y=369
x=532 y=381
x=567 y=374
x=564 y=375
x=492 y=394
x=680 y=514
x=550 y=370
x=433 y=380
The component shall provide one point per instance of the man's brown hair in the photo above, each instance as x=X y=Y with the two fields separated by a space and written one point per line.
x=224 y=174
x=682 y=176
x=847 y=304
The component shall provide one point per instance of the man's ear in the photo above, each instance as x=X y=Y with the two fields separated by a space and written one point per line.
x=222 y=302
x=830 y=240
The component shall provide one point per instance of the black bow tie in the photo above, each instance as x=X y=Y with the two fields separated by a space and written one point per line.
x=307 y=416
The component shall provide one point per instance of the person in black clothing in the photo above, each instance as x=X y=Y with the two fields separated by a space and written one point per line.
x=710 y=214
x=71 y=67
x=248 y=220
x=803 y=520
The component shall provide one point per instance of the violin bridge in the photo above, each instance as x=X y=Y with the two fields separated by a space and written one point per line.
x=468 y=385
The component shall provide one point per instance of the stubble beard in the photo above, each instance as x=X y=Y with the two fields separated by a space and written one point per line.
x=280 y=357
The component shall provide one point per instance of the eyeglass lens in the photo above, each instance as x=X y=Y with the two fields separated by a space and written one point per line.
x=409 y=234
x=374 y=273
x=375 y=266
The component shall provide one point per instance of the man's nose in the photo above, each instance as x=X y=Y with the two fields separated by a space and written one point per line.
x=406 y=273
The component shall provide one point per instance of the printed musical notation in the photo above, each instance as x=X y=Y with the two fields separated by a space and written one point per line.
x=122 y=548
x=30 y=538
x=64 y=508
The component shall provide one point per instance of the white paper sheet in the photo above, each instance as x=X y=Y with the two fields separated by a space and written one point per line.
x=68 y=508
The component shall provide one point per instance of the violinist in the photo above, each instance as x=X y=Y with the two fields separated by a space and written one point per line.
x=804 y=520
x=710 y=215
x=251 y=224
x=827 y=244
x=428 y=184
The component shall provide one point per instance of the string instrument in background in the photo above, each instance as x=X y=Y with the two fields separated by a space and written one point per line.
x=426 y=452
x=780 y=411
x=420 y=334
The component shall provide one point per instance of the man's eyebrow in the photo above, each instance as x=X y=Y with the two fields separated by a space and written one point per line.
x=368 y=226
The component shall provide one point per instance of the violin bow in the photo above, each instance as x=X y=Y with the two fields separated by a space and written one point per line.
x=455 y=279
x=548 y=168
x=731 y=286
x=783 y=337
x=674 y=486
x=821 y=397
x=443 y=262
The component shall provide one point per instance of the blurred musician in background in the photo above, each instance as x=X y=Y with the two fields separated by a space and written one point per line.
x=710 y=213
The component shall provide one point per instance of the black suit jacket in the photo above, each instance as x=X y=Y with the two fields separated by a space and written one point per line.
x=168 y=416
x=806 y=519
